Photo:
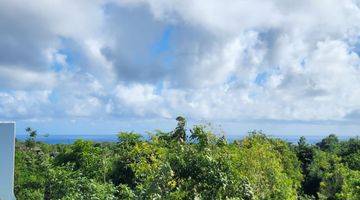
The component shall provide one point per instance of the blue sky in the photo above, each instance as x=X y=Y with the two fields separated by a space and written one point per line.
x=98 y=67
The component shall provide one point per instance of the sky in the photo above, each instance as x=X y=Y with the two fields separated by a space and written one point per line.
x=97 y=67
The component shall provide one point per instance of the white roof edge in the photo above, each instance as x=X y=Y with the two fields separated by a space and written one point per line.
x=7 y=122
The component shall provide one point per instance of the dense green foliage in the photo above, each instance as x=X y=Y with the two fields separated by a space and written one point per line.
x=200 y=166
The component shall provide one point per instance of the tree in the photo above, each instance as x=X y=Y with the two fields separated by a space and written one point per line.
x=351 y=184
x=128 y=139
x=31 y=167
x=66 y=183
x=179 y=134
x=167 y=166
x=270 y=165
x=31 y=140
x=330 y=144
x=350 y=153
x=85 y=157
x=305 y=155
x=202 y=137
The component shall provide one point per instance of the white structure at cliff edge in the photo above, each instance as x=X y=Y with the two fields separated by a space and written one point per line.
x=7 y=160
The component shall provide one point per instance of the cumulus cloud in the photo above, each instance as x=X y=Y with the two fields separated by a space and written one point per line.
x=20 y=78
x=24 y=105
x=281 y=60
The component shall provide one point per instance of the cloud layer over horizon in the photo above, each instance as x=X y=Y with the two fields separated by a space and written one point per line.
x=217 y=60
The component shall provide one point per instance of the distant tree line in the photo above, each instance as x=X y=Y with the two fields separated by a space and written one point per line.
x=188 y=164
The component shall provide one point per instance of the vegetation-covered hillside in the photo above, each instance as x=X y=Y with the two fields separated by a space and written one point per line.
x=193 y=164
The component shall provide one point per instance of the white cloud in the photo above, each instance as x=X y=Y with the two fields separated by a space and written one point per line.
x=139 y=99
x=24 y=105
x=277 y=59
x=20 y=78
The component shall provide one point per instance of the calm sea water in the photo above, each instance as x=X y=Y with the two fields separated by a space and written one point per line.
x=68 y=139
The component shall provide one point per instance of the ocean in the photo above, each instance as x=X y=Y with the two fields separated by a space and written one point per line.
x=68 y=139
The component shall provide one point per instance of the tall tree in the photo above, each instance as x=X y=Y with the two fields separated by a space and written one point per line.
x=179 y=134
